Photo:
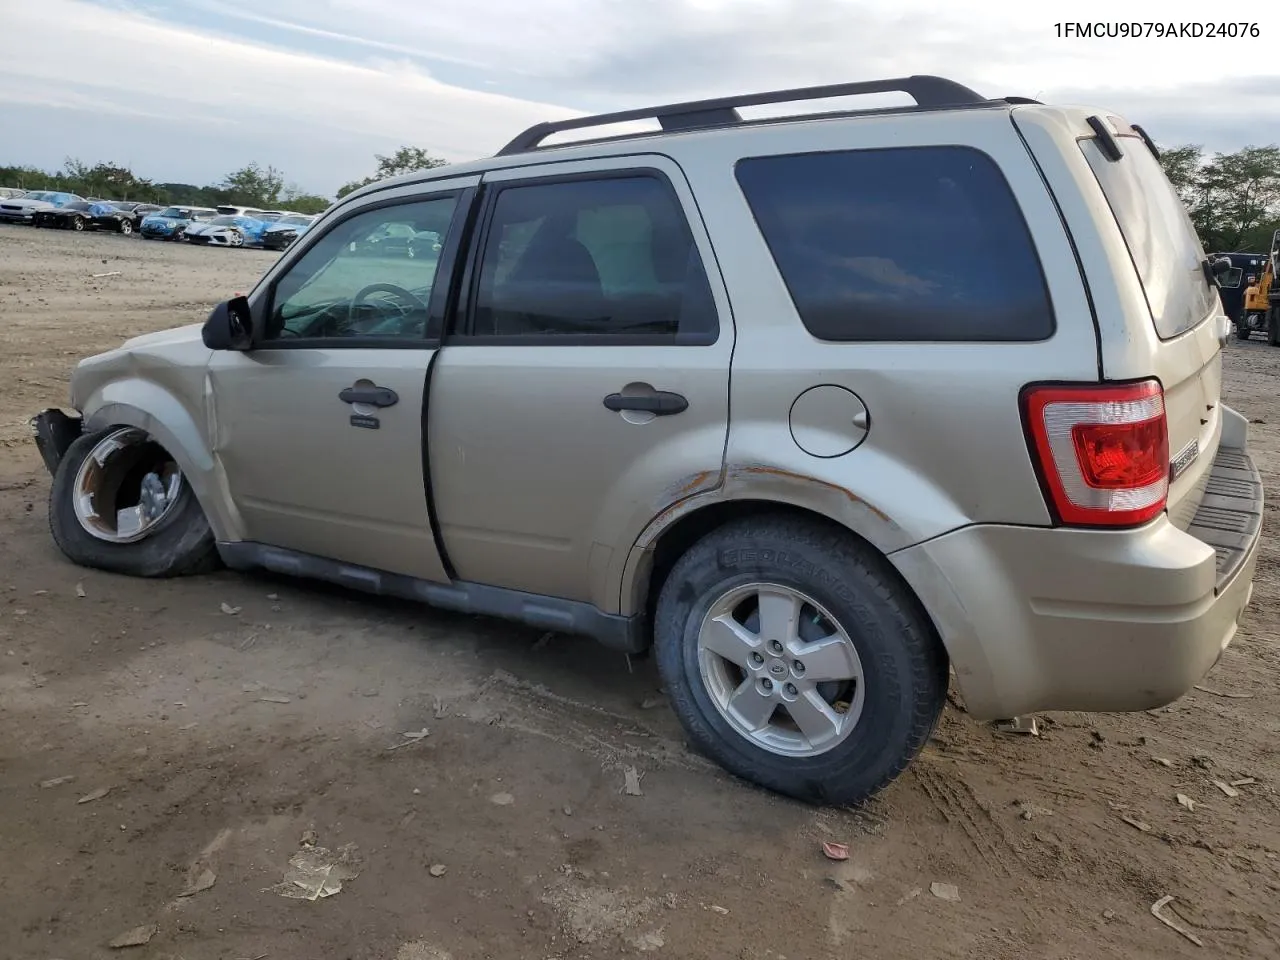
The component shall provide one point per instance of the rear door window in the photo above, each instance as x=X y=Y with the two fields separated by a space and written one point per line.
x=901 y=244
x=1162 y=241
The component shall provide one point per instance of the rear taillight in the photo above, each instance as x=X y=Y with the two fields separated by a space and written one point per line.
x=1102 y=451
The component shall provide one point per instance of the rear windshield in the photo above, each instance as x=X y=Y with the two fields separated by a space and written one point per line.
x=1162 y=242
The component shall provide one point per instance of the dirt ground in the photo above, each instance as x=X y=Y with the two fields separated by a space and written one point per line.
x=232 y=738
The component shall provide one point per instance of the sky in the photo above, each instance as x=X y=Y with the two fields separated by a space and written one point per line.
x=190 y=90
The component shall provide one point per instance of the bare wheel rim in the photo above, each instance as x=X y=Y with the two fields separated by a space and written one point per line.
x=781 y=670
x=126 y=487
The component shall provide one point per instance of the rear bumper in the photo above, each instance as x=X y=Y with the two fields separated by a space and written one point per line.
x=54 y=432
x=1093 y=620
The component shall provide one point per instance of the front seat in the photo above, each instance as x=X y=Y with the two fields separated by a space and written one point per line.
x=554 y=288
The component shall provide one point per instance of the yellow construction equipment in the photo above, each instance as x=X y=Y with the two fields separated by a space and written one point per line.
x=1262 y=300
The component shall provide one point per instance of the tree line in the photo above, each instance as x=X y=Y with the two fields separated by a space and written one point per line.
x=250 y=186
x=1233 y=198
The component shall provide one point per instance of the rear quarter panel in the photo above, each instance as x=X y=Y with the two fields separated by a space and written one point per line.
x=945 y=446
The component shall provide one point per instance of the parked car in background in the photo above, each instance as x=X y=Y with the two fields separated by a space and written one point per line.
x=23 y=209
x=8 y=193
x=284 y=231
x=230 y=210
x=171 y=223
x=73 y=216
x=229 y=231
x=122 y=216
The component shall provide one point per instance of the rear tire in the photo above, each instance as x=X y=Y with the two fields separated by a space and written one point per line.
x=1242 y=329
x=880 y=633
x=126 y=227
x=77 y=224
x=179 y=542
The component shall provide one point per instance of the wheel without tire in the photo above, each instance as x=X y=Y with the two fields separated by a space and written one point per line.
x=796 y=659
x=120 y=503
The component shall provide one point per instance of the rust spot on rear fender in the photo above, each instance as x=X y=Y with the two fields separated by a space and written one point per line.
x=738 y=472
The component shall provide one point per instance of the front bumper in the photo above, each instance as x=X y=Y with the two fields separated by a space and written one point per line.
x=55 y=432
x=10 y=217
x=1038 y=618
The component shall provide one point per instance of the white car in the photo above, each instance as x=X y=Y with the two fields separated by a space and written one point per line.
x=22 y=209
x=227 y=231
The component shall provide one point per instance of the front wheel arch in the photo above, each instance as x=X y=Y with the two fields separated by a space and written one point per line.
x=160 y=414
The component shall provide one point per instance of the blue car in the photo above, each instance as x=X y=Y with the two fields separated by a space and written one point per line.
x=228 y=231
x=172 y=223
x=285 y=230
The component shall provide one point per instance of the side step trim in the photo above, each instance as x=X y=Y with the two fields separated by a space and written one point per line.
x=626 y=634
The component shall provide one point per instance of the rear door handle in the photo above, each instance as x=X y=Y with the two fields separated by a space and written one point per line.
x=662 y=403
x=374 y=396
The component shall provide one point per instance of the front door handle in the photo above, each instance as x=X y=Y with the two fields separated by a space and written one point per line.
x=662 y=403
x=373 y=396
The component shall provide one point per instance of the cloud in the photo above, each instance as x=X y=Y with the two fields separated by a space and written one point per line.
x=200 y=104
x=317 y=86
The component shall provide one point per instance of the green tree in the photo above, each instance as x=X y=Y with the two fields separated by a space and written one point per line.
x=405 y=160
x=253 y=186
x=1233 y=198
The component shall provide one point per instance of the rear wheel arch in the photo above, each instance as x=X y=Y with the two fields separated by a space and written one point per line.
x=680 y=535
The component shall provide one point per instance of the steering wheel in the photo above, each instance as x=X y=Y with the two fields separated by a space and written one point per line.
x=407 y=300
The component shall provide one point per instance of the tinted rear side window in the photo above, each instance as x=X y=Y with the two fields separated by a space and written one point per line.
x=910 y=244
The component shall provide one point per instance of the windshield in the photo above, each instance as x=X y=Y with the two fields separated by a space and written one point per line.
x=293 y=221
x=173 y=212
x=77 y=205
x=224 y=221
x=1162 y=241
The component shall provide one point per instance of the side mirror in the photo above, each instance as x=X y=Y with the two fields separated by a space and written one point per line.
x=230 y=326
x=1221 y=267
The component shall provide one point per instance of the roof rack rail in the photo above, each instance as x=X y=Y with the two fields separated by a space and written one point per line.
x=927 y=91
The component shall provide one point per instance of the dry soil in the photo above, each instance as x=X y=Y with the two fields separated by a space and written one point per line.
x=153 y=740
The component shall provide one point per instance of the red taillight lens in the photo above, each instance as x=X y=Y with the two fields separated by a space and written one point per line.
x=1102 y=450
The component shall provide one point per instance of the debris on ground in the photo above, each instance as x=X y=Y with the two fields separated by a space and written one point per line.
x=274 y=700
x=1244 y=782
x=1163 y=762
x=1226 y=788
x=631 y=782
x=716 y=908
x=945 y=891
x=1186 y=801
x=80 y=591
x=1229 y=696
x=99 y=276
x=229 y=610
x=835 y=851
x=542 y=641
x=1136 y=824
x=647 y=942
x=1026 y=726
x=1029 y=811
x=411 y=736
x=95 y=795
x=502 y=799
x=137 y=937
x=204 y=881
x=1172 y=924
x=649 y=703
x=55 y=782
x=316 y=872
x=437 y=870
x=909 y=895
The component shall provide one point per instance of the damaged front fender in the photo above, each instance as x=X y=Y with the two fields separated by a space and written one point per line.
x=54 y=432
